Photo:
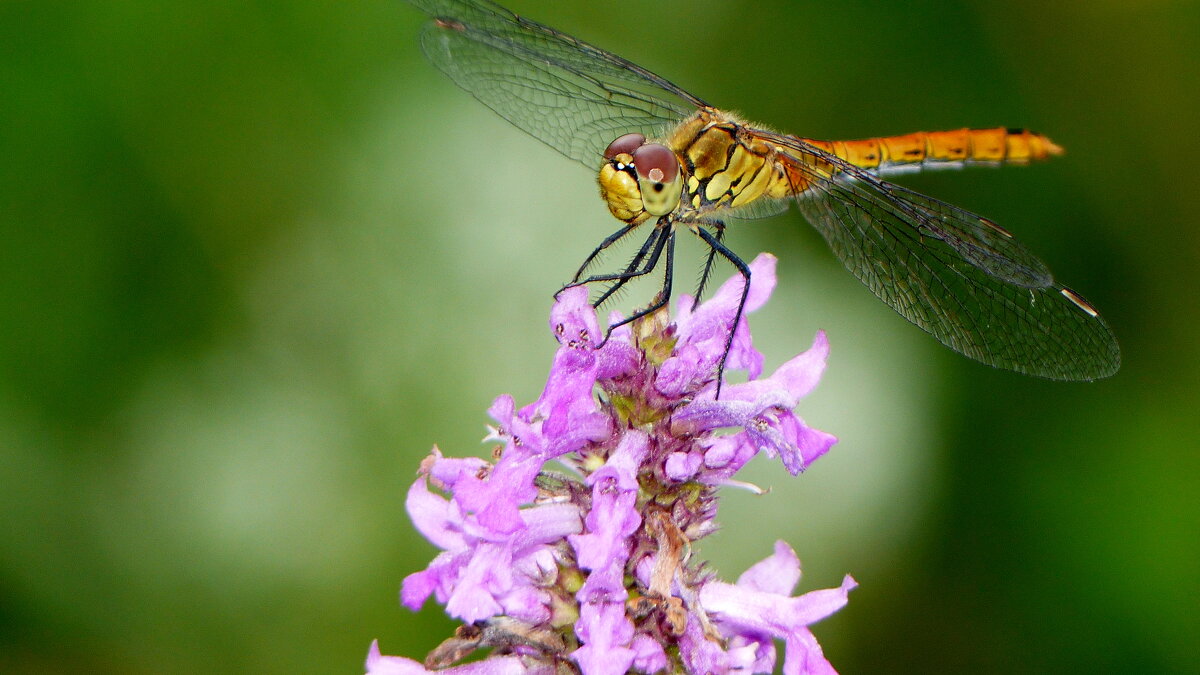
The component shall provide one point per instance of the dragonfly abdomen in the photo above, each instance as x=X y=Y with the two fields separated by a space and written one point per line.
x=943 y=149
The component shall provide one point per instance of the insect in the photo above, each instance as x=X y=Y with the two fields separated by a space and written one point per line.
x=668 y=161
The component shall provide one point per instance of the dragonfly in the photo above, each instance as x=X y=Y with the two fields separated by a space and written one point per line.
x=669 y=162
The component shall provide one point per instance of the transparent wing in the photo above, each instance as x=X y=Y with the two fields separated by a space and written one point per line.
x=956 y=275
x=574 y=97
x=759 y=208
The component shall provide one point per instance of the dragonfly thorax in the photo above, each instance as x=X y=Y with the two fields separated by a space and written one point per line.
x=639 y=180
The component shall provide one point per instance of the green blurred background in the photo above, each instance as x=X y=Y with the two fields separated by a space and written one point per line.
x=258 y=257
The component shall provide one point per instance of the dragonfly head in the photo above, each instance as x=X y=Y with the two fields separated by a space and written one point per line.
x=639 y=179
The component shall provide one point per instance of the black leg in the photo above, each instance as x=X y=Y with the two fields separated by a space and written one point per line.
x=608 y=241
x=717 y=247
x=664 y=295
x=706 y=274
x=657 y=239
x=661 y=238
x=629 y=273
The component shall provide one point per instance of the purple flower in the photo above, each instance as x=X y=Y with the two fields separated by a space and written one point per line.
x=483 y=572
x=589 y=562
x=605 y=631
x=758 y=609
x=703 y=332
x=764 y=410
x=378 y=664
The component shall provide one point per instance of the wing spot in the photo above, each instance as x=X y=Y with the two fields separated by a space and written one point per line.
x=1079 y=302
x=996 y=228
x=450 y=24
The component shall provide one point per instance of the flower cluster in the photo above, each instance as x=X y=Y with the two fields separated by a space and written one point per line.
x=588 y=568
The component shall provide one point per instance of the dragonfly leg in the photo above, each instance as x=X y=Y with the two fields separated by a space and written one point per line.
x=706 y=273
x=715 y=245
x=629 y=270
x=664 y=295
x=654 y=245
x=608 y=241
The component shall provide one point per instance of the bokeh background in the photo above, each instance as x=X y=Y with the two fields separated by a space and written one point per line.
x=257 y=258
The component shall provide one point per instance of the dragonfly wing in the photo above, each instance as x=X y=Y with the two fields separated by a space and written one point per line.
x=954 y=274
x=759 y=208
x=977 y=239
x=574 y=97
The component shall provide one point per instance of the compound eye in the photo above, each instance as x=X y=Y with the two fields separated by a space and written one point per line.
x=656 y=163
x=624 y=145
x=659 y=178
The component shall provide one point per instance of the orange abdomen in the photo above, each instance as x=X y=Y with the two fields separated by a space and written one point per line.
x=943 y=148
